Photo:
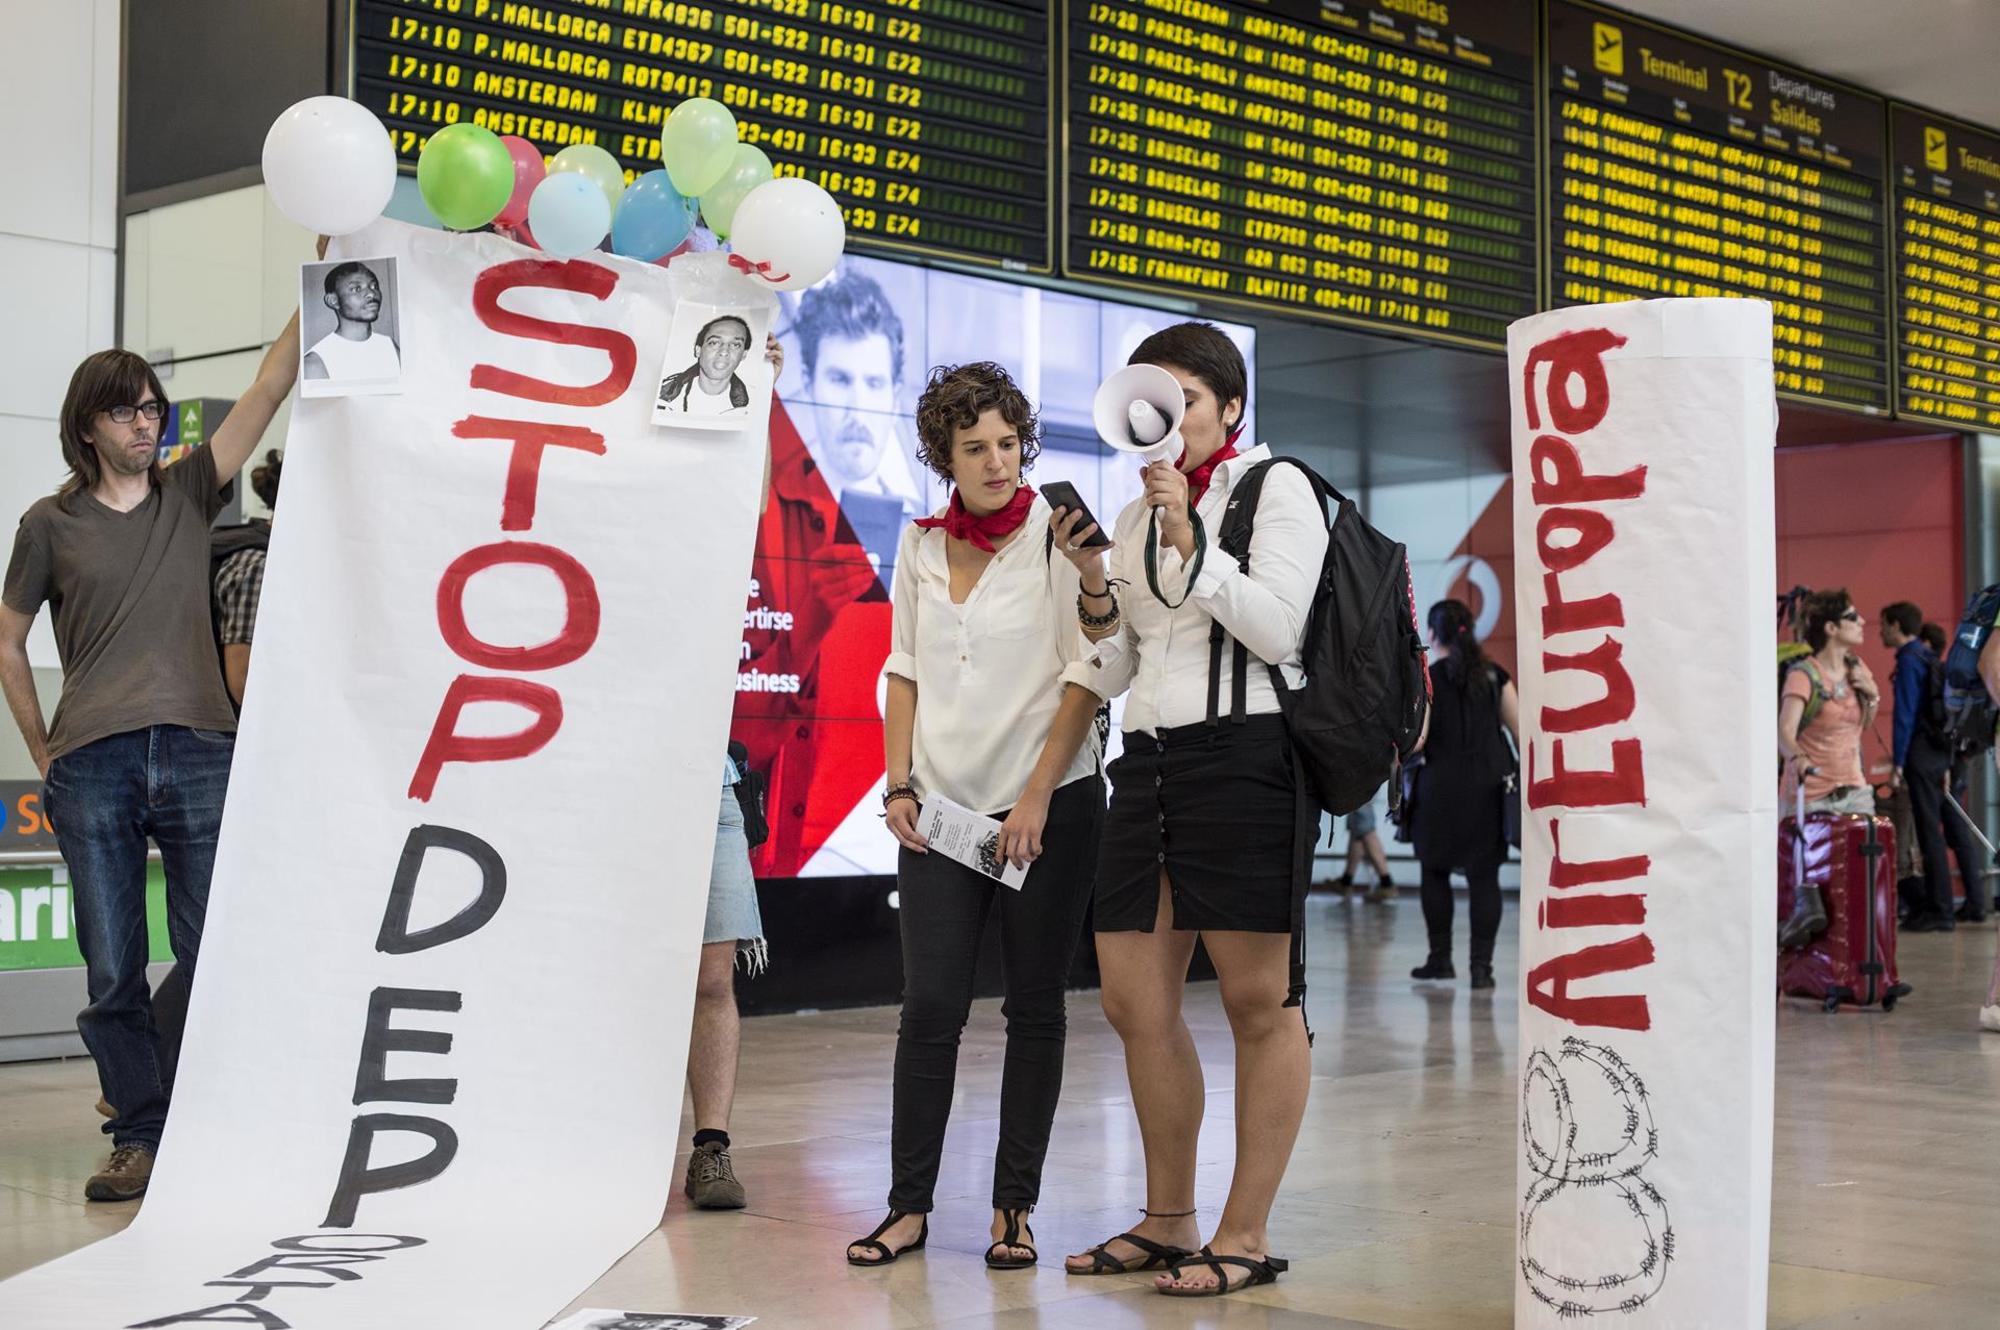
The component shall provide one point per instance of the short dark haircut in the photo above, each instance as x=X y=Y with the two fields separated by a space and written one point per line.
x=956 y=396
x=1205 y=351
x=264 y=479
x=102 y=381
x=1909 y=620
x=1935 y=637
x=347 y=269
x=740 y=322
x=850 y=306
x=1822 y=610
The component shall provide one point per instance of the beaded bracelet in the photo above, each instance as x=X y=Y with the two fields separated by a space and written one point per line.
x=1089 y=620
x=896 y=792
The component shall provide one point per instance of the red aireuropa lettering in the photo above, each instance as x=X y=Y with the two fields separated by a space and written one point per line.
x=1563 y=876
x=1625 y=783
x=524 y=466
x=1593 y=531
x=448 y=745
x=1622 y=1011
x=1593 y=911
x=1618 y=702
x=1577 y=355
x=1568 y=482
x=573 y=275
x=1577 y=616
x=580 y=618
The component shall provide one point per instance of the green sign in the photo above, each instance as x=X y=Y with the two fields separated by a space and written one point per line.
x=38 y=920
x=190 y=430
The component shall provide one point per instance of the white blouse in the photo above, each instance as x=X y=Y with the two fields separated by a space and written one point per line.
x=1161 y=655
x=989 y=673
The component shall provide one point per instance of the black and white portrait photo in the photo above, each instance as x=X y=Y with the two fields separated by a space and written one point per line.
x=715 y=375
x=598 y=1319
x=350 y=328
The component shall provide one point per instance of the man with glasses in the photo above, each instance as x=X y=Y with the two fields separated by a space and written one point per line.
x=710 y=386
x=142 y=735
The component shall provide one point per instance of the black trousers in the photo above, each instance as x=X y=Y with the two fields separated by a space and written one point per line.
x=943 y=906
x=1483 y=899
x=1937 y=828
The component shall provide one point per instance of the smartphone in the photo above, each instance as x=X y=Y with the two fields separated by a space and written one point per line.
x=1062 y=494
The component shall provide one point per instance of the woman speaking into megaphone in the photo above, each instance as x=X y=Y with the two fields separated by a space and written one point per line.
x=1209 y=832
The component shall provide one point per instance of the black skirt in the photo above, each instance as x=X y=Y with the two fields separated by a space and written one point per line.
x=1223 y=810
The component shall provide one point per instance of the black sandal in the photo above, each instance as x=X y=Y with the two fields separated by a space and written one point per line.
x=996 y=1255
x=1265 y=1271
x=888 y=1256
x=1158 y=1255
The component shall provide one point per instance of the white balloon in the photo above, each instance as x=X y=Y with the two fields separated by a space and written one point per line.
x=788 y=232
x=329 y=165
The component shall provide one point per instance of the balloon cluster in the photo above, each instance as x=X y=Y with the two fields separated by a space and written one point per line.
x=330 y=167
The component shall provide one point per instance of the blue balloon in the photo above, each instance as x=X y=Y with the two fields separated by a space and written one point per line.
x=568 y=214
x=652 y=218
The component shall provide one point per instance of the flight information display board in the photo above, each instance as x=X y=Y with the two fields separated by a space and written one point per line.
x=1947 y=244
x=1680 y=168
x=928 y=120
x=1367 y=163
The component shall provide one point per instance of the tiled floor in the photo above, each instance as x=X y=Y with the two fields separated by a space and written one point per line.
x=1398 y=1210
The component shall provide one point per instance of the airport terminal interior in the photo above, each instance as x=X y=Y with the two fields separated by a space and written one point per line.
x=1732 y=1058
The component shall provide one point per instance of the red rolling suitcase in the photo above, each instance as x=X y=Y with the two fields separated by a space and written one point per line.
x=1852 y=860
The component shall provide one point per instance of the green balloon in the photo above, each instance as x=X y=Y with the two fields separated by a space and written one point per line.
x=697 y=144
x=595 y=165
x=466 y=176
x=748 y=168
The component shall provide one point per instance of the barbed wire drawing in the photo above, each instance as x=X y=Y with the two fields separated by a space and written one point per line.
x=1579 y=1157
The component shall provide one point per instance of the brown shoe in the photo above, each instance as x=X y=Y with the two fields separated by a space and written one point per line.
x=125 y=1177
x=711 y=1180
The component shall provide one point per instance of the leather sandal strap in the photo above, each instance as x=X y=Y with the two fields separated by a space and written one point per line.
x=881 y=1249
x=1260 y=1271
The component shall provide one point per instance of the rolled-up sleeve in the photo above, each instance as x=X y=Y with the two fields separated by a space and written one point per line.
x=902 y=660
x=1266 y=608
x=1073 y=649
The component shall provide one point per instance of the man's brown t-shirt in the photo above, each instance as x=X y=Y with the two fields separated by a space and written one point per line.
x=130 y=595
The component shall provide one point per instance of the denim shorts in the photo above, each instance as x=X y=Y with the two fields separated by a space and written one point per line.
x=1361 y=821
x=732 y=891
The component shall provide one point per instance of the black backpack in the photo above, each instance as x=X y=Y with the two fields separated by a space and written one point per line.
x=1969 y=712
x=1367 y=688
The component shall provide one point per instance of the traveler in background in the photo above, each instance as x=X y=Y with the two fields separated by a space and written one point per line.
x=141 y=739
x=1364 y=840
x=239 y=577
x=1972 y=861
x=1989 y=674
x=989 y=706
x=1824 y=703
x=1210 y=831
x=1458 y=820
x=733 y=931
x=1922 y=762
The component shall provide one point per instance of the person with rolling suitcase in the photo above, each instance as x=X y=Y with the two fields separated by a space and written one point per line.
x=1845 y=863
x=1826 y=700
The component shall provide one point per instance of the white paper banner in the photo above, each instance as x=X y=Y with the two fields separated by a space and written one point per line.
x=434 y=1060
x=1644 y=559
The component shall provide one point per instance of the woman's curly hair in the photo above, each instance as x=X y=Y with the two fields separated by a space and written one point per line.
x=954 y=398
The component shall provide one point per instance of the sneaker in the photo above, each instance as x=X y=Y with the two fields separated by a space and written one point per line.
x=124 y=1178
x=1930 y=923
x=711 y=1181
x=1989 y=1018
x=1383 y=892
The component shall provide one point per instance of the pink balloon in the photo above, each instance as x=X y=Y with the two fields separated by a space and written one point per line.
x=528 y=172
x=520 y=235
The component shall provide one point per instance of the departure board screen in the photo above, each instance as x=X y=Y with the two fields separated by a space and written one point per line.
x=1947 y=219
x=928 y=120
x=1678 y=168
x=1363 y=162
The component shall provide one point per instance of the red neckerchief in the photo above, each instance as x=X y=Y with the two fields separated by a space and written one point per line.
x=1199 y=477
x=959 y=521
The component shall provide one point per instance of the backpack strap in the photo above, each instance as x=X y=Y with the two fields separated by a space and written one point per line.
x=1817 y=697
x=1238 y=523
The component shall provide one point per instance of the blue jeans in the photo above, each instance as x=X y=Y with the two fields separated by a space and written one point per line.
x=104 y=800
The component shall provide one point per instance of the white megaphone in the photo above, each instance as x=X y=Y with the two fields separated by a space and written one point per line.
x=1139 y=410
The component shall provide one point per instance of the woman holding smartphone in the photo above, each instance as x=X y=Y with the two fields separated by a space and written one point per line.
x=989 y=706
x=1210 y=831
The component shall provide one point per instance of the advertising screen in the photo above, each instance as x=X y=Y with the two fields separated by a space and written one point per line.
x=845 y=480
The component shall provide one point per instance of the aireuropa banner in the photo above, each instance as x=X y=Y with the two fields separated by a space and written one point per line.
x=434 y=1060
x=1644 y=561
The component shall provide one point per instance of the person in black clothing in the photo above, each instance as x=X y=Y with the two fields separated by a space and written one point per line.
x=1457 y=814
x=1964 y=848
x=1923 y=766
